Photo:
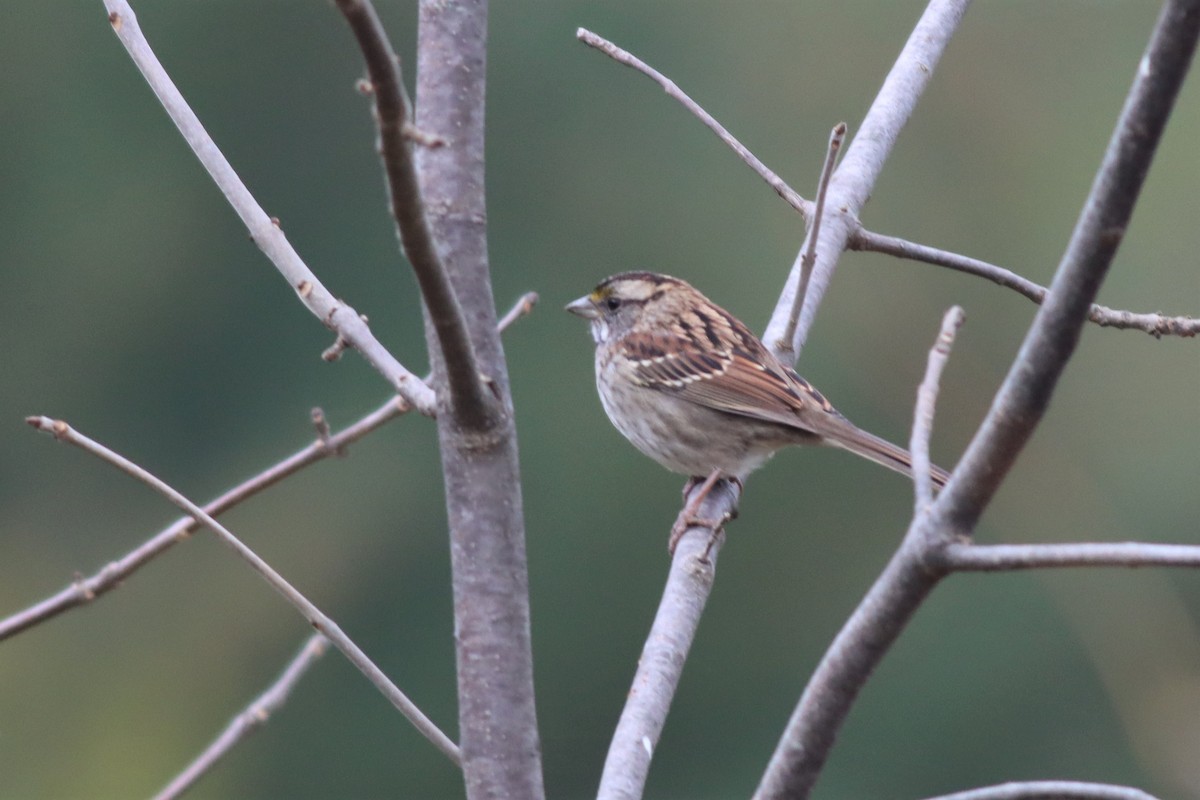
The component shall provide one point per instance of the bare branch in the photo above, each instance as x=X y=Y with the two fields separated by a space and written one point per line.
x=1049 y=790
x=859 y=646
x=1156 y=325
x=64 y=433
x=265 y=232
x=1051 y=340
x=523 y=307
x=864 y=240
x=855 y=178
x=927 y=393
x=916 y=568
x=249 y=720
x=497 y=715
x=665 y=652
x=967 y=557
x=85 y=590
x=474 y=403
x=781 y=188
x=808 y=251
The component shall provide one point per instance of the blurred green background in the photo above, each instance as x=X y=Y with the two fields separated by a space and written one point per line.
x=135 y=307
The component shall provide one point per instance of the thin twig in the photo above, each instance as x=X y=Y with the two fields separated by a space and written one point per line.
x=521 y=308
x=1025 y=393
x=1156 y=325
x=967 y=557
x=84 y=590
x=265 y=232
x=855 y=179
x=869 y=241
x=664 y=654
x=65 y=433
x=1049 y=790
x=927 y=393
x=808 y=251
x=474 y=403
x=253 y=717
x=781 y=188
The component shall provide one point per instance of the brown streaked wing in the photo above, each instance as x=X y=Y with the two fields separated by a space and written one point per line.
x=747 y=381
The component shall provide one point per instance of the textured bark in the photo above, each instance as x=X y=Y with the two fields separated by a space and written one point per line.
x=497 y=721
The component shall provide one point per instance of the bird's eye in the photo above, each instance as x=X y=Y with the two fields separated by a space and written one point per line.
x=612 y=303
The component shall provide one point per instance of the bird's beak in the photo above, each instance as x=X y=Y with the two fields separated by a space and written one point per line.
x=584 y=307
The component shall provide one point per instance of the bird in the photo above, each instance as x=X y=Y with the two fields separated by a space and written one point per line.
x=690 y=386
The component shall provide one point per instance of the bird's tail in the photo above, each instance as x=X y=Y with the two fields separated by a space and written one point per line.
x=883 y=452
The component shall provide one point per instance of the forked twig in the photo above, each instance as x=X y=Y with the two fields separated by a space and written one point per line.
x=265 y=231
x=472 y=399
x=917 y=567
x=869 y=241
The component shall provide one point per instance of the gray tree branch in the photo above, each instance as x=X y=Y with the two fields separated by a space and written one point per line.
x=660 y=666
x=474 y=404
x=917 y=567
x=84 y=590
x=315 y=617
x=851 y=185
x=789 y=195
x=868 y=241
x=1156 y=325
x=497 y=717
x=266 y=232
x=927 y=392
x=1025 y=393
x=1049 y=790
x=249 y=720
x=970 y=557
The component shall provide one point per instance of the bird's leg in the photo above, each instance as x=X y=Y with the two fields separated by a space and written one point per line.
x=687 y=517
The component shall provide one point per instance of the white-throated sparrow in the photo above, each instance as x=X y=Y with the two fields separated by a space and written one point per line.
x=690 y=386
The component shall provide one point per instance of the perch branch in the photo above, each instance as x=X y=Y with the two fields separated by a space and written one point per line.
x=85 y=590
x=689 y=582
x=927 y=393
x=473 y=402
x=265 y=232
x=253 y=717
x=64 y=433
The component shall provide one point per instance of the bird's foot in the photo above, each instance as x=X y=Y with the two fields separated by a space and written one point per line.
x=689 y=516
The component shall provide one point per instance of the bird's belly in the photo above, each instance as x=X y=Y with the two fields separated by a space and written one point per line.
x=684 y=437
